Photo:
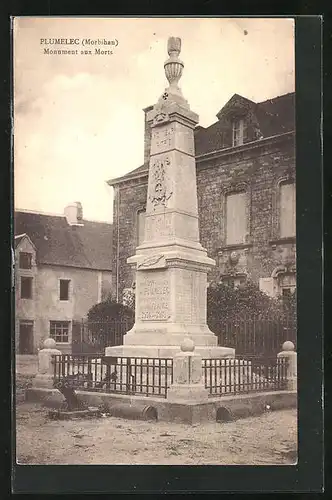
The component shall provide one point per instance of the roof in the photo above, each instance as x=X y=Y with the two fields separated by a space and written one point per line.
x=57 y=243
x=19 y=238
x=133 y=173
x=274 y=117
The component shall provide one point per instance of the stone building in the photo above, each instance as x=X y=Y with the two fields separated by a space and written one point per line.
x=245 y=165
x=63 y=266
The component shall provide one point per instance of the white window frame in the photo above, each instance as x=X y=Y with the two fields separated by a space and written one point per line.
x=239 y=132
x=68 y=324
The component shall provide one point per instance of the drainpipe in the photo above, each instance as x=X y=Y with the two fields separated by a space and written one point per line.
x=118 y=243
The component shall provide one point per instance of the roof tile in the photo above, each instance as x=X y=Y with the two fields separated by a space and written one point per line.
x=57 y=243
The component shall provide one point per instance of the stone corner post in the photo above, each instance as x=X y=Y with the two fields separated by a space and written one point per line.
x=187 y=375
x=44 y=377
x=288 y=352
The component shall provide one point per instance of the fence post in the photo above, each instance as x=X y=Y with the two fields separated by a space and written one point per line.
x=288 y=352
x=187 y=375
x=44 y=377
x=82 y=334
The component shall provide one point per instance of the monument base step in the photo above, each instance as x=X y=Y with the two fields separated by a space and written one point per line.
x=184 y=412
x=148 y=351
x=169 y=334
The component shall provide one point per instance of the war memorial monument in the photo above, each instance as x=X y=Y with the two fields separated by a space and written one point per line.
x=171 y=264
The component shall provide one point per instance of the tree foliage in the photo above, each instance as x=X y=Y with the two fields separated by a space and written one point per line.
x=226 y=304
x=109 y=311
x=108 y=322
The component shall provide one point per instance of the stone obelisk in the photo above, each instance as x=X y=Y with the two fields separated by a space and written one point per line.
x=171 y=264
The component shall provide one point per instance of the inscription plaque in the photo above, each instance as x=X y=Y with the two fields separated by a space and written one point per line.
x=153 y=298
x=162 y=139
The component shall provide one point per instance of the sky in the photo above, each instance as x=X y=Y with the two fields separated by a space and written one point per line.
x=78 y=119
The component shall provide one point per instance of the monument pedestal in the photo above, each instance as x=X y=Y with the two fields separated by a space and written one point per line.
x=171 y=265
x=155 y=351
x=171 y=288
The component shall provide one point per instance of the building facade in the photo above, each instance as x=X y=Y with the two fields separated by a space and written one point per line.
x=245 y=168
x=63 y=266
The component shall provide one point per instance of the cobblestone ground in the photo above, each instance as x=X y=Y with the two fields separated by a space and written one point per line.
x=267 y=439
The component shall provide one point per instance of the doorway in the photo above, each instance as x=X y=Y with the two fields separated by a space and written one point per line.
x=26 y=337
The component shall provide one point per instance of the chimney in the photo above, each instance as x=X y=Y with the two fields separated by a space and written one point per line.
x=74 y=214
x=147 y=136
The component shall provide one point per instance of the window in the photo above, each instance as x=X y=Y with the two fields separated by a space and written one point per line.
x=25 y=260
x=287 y=210
x=239 y=132
x=26 y=337
x=64 y=289
x=26 y=287
x=239 y=282
x=287 y=284
x=140 y=226
x=236 y=218
x=234 y=282
x=229 y=282
x=59 y=331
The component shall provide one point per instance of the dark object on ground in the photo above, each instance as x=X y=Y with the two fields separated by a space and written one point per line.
x=134 y=412
x=224 y=415
x=71 y=414
x=66 y=388
x=107 y=380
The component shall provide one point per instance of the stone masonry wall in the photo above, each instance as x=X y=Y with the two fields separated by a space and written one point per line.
x=257 y=170
x=128 y=200
x=258 y=175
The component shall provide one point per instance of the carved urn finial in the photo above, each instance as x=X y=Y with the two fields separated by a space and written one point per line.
x=173 y=66
x=174 y=46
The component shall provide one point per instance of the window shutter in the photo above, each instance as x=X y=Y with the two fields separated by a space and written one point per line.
x=287 y=210
x=236 y=218
x=266 y=285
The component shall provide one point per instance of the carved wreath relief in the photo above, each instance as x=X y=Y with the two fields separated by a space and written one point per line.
x=160 y=190
x=161 y=117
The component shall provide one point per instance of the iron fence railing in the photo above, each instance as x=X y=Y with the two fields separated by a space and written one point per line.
x=238 y=375
x=247 y=334
x=93 y=336
x=153 y=376
x=254 y=336
x=122 y=375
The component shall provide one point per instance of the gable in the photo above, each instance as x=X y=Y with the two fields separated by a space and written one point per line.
x=24 y=244
x=236 y=106
x=57 y=243
x=219 y=135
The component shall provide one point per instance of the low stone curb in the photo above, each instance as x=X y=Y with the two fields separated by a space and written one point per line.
x=189 y=412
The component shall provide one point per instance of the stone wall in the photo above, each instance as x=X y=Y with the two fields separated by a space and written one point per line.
x=128 y=200
x=147 y=136
x=257 y=169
